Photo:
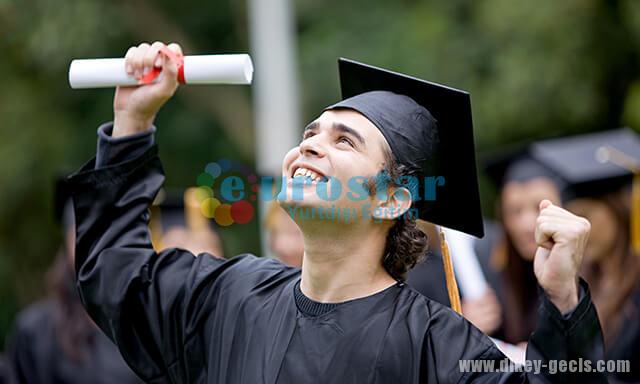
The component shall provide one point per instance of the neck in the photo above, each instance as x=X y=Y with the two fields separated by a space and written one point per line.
x=343 y=262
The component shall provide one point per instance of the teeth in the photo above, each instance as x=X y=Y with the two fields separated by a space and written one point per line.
x=304 y=172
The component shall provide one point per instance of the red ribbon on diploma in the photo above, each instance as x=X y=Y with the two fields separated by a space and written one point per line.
x=176 y=58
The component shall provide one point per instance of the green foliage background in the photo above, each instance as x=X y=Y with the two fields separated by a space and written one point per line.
x=534 y=69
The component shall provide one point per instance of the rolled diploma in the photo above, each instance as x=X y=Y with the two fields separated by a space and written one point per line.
x=466 y=265
x=199 y=69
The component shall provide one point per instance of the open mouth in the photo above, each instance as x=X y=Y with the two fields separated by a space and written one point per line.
x=309 y=174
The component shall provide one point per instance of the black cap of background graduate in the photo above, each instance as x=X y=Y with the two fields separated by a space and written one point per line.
x=597 y=163
x=591 y=164
x=429 y=130
x=516 y=164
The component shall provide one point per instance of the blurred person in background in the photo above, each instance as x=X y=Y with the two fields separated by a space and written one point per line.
x=508 y=311
x=54 y=340
x=3 y=370
x=285 y=238
x=601 y=169
x=177 y=222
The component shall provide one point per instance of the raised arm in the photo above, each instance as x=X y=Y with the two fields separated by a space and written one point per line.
x=567 y=342
x=138 y=297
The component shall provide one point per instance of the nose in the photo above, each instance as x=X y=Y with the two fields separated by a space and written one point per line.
x=312 y=147
x=526 y=223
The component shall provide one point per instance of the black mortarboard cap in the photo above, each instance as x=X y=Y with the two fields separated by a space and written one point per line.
x=598 y=163
x=516 y=164
x=592 y=164
x=429 y=129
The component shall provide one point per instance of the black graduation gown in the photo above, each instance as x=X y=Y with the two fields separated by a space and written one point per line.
x=177 y=318
x=626 y=343
x=428 y=278
x=4 y=371
x=34 y=355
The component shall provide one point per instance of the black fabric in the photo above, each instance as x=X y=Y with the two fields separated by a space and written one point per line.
x=626 y=343
x=428 y=278
x=4 y=371
x=113 y=150
x=429 y=129
x=35 y=356
x=310 y=307
x=177 y=318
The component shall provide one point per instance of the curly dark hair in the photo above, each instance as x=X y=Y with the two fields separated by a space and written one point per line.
x=406 y=244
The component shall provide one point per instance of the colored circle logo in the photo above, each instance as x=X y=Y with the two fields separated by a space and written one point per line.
x=230 y=207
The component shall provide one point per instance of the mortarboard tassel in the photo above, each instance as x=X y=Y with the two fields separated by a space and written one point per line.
x=450 y=277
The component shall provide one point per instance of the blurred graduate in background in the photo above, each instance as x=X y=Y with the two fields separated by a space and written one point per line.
x=595 y=176
x=602 y=172
x=54 y=340
x=507 y=310
x=285 y=238
x=177 y=222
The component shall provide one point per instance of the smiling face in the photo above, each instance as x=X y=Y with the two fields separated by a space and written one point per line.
x=338 y=150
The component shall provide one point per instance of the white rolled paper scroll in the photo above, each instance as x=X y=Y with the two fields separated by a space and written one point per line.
x=467 y=267
x=199 y=69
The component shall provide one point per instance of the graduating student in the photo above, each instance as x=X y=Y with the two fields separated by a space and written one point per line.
x=347 y=316
x=507 y=254
x=600 y=170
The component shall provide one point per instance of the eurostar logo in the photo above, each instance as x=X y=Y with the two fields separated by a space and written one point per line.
x=229 y=206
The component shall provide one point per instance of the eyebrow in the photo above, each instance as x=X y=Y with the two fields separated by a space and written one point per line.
x=338 y=127
x=312 y=126
x=348 y=130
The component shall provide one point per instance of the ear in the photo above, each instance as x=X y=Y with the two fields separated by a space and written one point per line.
x=397 y=203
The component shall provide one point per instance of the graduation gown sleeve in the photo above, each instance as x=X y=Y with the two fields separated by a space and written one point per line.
x=452 y=345
x=135 y=295
x=175 y=318
x=152 y=305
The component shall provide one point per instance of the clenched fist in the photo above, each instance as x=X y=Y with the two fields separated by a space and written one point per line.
x=135 y=108
x=561 y=237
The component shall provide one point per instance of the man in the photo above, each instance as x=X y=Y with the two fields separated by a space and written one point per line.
x=347 y=317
